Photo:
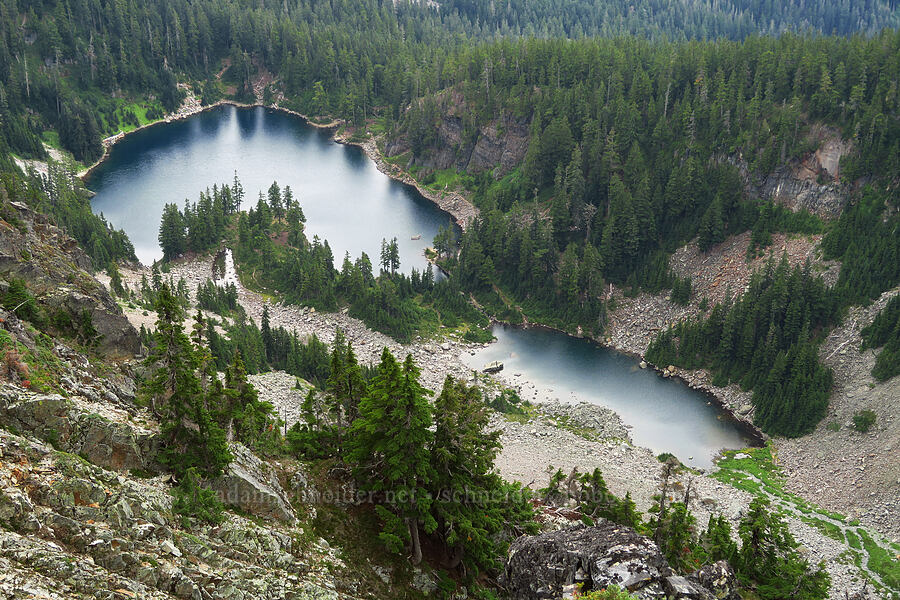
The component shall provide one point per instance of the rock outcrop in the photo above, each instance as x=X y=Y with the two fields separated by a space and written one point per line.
x=498 y=145
x=57 y=272
x=251 y=485
x=70 y=529
x=73 y=427
x=813 y=183
x=550 y=565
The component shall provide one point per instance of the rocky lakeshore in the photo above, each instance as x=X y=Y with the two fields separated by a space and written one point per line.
x=452 y=202
x=560 y=434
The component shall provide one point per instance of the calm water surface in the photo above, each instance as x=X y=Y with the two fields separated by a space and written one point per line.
x=347 y=201
x=665 y=415
x=351 y=204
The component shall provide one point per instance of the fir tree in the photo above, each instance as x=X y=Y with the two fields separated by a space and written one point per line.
x=389 y=451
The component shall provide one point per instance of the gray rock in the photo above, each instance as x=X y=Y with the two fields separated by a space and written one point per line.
x=539 y=567
x=679 y=587
x=59 y=266
x=250 y=484
x=58 y=420
x=543 y=566
x=719 y=579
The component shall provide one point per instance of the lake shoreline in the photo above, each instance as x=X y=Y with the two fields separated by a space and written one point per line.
x=744 y=425
x=454 y=204
x=460 y=209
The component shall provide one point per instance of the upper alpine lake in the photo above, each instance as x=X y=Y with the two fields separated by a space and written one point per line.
x=346 y=199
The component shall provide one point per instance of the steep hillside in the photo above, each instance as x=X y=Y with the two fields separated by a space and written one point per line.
x=56 y=271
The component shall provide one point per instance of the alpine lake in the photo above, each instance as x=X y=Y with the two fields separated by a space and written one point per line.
x=351 y=204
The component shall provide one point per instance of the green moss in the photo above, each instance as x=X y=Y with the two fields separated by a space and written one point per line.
x=829 y=529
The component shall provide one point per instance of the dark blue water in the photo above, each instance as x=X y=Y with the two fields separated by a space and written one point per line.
x=347 y=201
x=665 y=415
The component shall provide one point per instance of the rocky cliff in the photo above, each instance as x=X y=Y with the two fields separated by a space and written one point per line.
x=498 y=145
x=56 y=271
x=812 y=183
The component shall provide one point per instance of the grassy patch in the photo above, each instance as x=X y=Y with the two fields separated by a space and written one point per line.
x=37 y=369
x=448 y=179
x=51 y=138
x=881 y=562
x=829 y=529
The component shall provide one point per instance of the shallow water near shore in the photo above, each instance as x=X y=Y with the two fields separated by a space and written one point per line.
x=346 y=200
x=665 y=415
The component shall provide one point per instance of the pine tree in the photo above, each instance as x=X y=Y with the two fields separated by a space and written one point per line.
x=712 y=227
x=716 y=540
x=193 y=439
x=769 y=558
x=172 y=238
x=472 y=504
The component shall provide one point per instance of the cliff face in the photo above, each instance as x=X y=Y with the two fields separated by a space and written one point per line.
x=56 y=271
x=498 y=145
x=813 y=183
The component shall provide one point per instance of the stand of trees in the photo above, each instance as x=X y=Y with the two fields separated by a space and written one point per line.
x=200 y=414
x=61 y=196
x=63 y=61
x=884 y=333
x=429 y=469
x=272 y=250
x=766 y=341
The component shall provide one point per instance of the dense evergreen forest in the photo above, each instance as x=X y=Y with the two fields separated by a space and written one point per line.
x=65 y=60
x=273 y=252
x=636 y=144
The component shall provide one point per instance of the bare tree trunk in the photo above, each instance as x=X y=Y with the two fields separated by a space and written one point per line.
x=414 y=536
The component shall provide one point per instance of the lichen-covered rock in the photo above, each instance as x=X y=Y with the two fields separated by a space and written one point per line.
x=719 y=579
x=70 y=529
x=117 y=445
x=251 y=485
x=540 y=566
x=545 y=565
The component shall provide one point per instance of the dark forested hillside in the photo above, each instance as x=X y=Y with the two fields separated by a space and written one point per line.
x=64 y=60
x=639 y=125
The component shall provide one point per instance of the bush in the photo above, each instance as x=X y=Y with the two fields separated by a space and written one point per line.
x=611 y=593
x=507 y=402
x=863 y=420
x=194 y=502
x=18 y=300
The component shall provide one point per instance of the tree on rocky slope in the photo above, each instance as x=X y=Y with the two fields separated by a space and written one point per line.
x=388 y=447
x=192 y=437
x=472 y=504
x=769 y=559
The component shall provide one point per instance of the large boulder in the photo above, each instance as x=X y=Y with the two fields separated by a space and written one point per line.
x=114 y=444
x=550 y=564
x=719 y=579
x=251 y=485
